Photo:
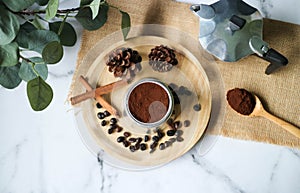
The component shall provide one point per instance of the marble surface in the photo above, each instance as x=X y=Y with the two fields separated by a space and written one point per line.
x=43 y=153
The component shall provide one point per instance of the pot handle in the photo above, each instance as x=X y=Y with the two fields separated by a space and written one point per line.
x=277 y=60
x=262 y=49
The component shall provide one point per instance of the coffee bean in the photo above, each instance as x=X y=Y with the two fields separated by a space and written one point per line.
x=186 y=123
x=177 y=124
x=160 y=134
x=146 y=138
x=143 y=146
x=171 y=132
x=113 y=120
x=173 y=86
x=120 y=139
x=179 y=133
x=100 y=115
x=152 y=150
x=98 y=105
x=132 y=148
x=168 y=143
x=181 y=90
x=127 y=134
x=197 y=107
x=170 y=121
x=172 y=140
x=112 y=126
x=153 y=145
x=179 y=139
x=139 y=140
x=155 y=138
x=162 y=146
x=126 y=143
x=103 y=123
x=187 y=92
x=110 y=131
x=106 y=113
x=137 y=146
x=132 y=139
x=119 y=129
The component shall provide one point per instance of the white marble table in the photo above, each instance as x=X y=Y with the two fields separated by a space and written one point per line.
x=43 y=153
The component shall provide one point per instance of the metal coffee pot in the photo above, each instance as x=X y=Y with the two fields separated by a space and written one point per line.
x=232 y=29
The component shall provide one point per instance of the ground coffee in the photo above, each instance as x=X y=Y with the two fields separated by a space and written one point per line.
x=148 y=102
x=241 y=100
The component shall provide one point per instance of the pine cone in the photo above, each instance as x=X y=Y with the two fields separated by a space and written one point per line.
x=123 y=60
x=162 y=58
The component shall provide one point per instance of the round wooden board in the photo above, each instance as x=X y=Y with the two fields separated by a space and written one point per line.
x=188 y=73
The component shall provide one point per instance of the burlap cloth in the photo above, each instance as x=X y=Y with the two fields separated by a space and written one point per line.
x=280 y=92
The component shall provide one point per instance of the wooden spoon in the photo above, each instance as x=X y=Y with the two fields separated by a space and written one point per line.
x=260 y=111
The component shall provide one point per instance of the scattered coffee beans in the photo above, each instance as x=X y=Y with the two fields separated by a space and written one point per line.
x=101 y=115
x=103 y=123
x=179 y=139
x=120 y=139
x=177 y=124
x=113 y=120
x=132 y=139
x=171 y=132
x=98 y=105
x=197 y=107
x=143 y=146
x=155 y=138
x=146 y=138
x=162 y=146
x=186 y=123
x=106 y=113
x=127 y=134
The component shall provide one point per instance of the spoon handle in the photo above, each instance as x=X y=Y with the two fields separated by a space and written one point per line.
x=284 y=124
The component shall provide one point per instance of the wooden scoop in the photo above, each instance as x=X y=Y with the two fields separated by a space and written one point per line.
x=260 y=111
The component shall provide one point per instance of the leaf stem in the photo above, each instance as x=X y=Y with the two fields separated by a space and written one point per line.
x=30 y=62
x=29 y=12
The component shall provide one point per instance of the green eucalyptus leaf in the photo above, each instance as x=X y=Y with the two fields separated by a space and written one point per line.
x=38 y=39
x=125 y=25
x=9 y=76
x=51 y=9
x=42 y=70
x=40 y=67
x=9 y=54
x=53 y=52
x=37 y=60
x=39 y=93
x=95 y=5
x=22 y=37
x=18 y=5
x=9 y=26
x=84 y=17
x=42 y=2
x=26 y=71
x=36 y=23
x=67 y=36
x=31 y=70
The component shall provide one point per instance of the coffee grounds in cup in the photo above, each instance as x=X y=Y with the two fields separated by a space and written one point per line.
x=148 y=102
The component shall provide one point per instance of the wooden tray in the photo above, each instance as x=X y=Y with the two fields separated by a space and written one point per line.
x=188 y=73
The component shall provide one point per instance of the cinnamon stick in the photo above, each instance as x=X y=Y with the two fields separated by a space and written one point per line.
x=99 y=98
x=109 y=87
x=98 y=91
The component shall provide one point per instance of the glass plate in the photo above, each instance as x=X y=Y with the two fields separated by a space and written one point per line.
x=196 y=71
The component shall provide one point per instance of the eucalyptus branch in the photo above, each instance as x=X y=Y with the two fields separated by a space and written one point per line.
x=23 y=58
x=32 y=12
